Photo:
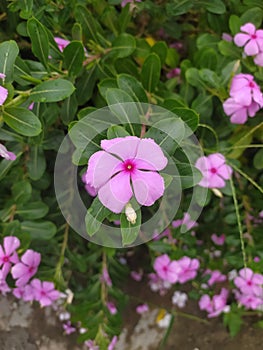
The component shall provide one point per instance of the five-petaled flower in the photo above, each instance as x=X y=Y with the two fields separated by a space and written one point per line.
x=8 y=254
x=126 y=166
x=24 y=270
x=214 y=170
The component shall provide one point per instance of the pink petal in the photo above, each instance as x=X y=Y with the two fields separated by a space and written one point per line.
x=148 y=186
x=239 y=117
x=257 y=96
x=6 y=154
x=31 y=258
x=116 y=192
x=48 y=286
x=259 y=59
x=19 y=270
x=62 y=43
x=252 y=109
x=216 y=181
x=173 y=272
x=101 y=167
x=3 y=95
x=225 y=171
x=230 y=106
x=123 y=147
x=203 y=164
x=240 y=39
x=246 y=273
x=216 y=160
x=248 y=28
x=251 y=48
x=150 y=153
x=243 y=96
x=11 y=244
x=44 y=301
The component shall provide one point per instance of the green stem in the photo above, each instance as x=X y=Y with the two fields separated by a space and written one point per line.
x=58 y=272
x=255 y=145
x=247 y=177
x=168 y=331
x=238 y=222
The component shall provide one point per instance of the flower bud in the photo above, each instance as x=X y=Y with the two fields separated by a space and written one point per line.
x=130 y=213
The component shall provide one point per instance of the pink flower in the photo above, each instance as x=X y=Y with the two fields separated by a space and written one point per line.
x=24 y=292
x=166 y=269
x=25 y=269
x=215 y=277
x=250 y=301
x=216 y=305
x=127 y=161
x=8 y=255
x=62 y=43
x=186 y=220
x=258 y=59
x=218 y=240
x=91 y=345
x=227 y=37
x=141 y=309
x=111 y=307
x=245 y=90
x=175 y=72
x=5 y=153
x=105 y=277
x=4 y=288
x=137 y=276
x=249 y=282
x=251 y=39
x=158 y=285
x=125 y=2
x=187 y=269
x=44 y=292
x=214 y=170
x=3 y=95
x=238 y=112
x=68 y=328
x=113 y=343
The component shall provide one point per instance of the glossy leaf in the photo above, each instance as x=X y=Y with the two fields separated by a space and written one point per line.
x=129 y=231
x=36 y=163
x=151 y=71
x=52 y=91
x=39 y=39
x=123 y=46
x=32 y=211
x=39 y=230
x=95 y=216
x=74 y=57
x=8 y=54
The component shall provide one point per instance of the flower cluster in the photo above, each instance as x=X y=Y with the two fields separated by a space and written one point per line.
x=252 y=41
x=172 y=271
x=245 y=99
x=214 y=170
x=22 y=271
x=215 y=305
x=250 y=289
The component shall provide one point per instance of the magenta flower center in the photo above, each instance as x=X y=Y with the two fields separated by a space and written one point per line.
x=249 y=283
x=251 y=84
x=254 y=36
x=213 y=170
x=6 y=259
x=129 y=166
x=43 y=293
x=31 y=269
x=165 y=268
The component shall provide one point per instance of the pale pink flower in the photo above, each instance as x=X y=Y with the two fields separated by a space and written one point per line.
x=62 y=43
x=215 y=277
x=25 y=269
x=216 y=305
x=141 y=309
x=68 y=328
x=2 y=76
x=91 y=345
x=238 y=112
x=251 y=39
x=214 y=170
x=166 y=269
x=113 y=343
x=186 y=220
x=187 y=269
x=125 y=2
x=6 y=154
x=175 y=72
x=8 y=255
x=4 y=288
x=24 y=292
x=44 y=292
x=126 y=165
x=3 y=95
x=227 y=37
x=111 y=307
x=244 y=90
x=250 y=301
x=137 y=276
x=157 y=284
x=179 y=299
x=105 y=277
x=218 y=240
x=258 y=59
x=249 y=282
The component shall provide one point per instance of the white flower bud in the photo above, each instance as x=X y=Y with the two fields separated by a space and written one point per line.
x=217 y=192
x=130 y=213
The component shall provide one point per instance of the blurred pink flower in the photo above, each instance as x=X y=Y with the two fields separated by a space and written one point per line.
x=111 y=307
x=218 y=240
x=214 y=170
x=113 y=343
x=105 y=277
x=125 y=161
x=245 y=90
x=91 y=345
x=186 y=220
x=8 y=255
x=62 y=43
x=141 y=309
x=125 y=2
x=216 y=305
x=158 y=285
x=238 y=112
x=24 y=292
x=175 y=72
x=227 y=37
x=6 y=154
x=249 y=282
x=166 y=269
x=4 y=288
x=251 y=39
x=187 y=269
x=25 y=269
x=44 y=292
x=215 y=277
x=68 y=328
x=137 y=276
x=3 y=95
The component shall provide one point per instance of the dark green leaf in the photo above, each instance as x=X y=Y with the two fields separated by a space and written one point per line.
x=37 y=162
x=8 y=54
x=21 y=191
x=74 y=57
x=69 y=109
x=133 y=87
x=116 y=131
x=130 y=231
x=95 y=216
x=161 y=49
x=85 y=85
x=123 y=45
x=39 y=230
x=39 y=39
x=52 y=91
x=32 y=211
x=151 y=71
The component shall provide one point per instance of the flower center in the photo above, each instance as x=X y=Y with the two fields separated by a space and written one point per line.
x=251 y=84
x=31 y=269
x=213 y=170
x=253 y=36
x=6 y=259
x=128 y=166
x=249 y=283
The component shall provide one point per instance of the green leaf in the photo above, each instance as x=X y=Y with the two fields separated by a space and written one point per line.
x=69 y=109
x=133 y=87
x=233 y=320
x=189 y=175
x=253 y=15
x=179 y=7
x=214 y=6
x=123 y=46
x=229 y=49
x=52 y=91
x=234 y=24
x=95 y=216
x=85 y=85
x=105 y=84
x=258 y=160
x=22 y=121
x=39 y=230
x=207 y=58
x=26 y=8
x=129 y=231
x=8 y=54
x=189 y=116
x=32 y=211
x=39 y=39
x=151 y=71
x=74 y=57
x=36 y=164
x=116 y=131
x=161 y=49
x=21 y=191
x=167 y=133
